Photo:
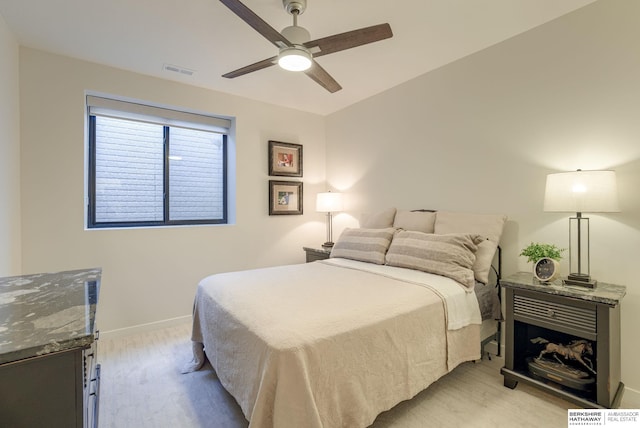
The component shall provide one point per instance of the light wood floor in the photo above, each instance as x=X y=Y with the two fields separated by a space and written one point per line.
x=141 y=386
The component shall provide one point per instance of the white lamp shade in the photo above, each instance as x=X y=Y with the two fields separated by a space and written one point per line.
x=582 y=191
x=329 y=202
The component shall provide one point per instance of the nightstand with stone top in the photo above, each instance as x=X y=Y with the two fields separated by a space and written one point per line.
x=314 y=254
x=540 y=316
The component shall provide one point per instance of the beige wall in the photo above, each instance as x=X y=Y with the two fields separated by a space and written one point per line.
x=151 y=274
x=481 y=134
x=9 y=154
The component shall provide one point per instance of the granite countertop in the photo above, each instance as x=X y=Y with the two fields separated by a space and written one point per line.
x=47 y=312
x=608 y=294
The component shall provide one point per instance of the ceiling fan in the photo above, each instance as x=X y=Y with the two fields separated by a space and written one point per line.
x=296 y=51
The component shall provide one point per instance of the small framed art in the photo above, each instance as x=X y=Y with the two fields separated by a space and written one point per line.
x=285 y=197
x=285 y=159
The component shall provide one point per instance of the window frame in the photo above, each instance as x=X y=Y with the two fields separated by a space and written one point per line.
x=91 y=178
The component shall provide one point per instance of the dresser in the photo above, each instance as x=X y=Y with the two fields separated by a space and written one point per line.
x=48 y=350
x=540 y=316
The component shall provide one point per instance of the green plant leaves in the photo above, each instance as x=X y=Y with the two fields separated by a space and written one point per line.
x=536 y=251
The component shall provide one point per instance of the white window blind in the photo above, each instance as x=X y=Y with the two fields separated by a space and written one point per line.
x=100 y=106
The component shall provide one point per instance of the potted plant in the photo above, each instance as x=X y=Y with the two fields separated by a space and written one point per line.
x=545 y=259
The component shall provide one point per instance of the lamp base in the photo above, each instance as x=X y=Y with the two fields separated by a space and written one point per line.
x=581 y=280
x=327 y=245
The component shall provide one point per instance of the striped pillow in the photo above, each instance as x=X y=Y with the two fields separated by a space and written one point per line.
x=365 y=245
x=488 y=225
x=451 y=255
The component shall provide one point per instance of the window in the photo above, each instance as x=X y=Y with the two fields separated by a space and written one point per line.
x=150 y=166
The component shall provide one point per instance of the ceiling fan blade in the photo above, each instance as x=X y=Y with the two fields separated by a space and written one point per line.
x=257 y=23
x=324 y=79
x=350 y=39
x=251 y=68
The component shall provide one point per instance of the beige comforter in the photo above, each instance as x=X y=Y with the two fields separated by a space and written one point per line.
x=320 y=345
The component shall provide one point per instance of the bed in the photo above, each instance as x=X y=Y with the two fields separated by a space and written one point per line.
x=335 y=342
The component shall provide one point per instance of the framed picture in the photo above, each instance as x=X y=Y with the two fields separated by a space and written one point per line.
x=285 y=197
x=285 y=159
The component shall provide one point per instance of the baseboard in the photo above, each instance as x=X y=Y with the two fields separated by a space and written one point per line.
x=143 y=328
x=630 y=399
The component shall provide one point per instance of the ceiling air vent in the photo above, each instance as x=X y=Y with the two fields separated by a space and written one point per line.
x=177 y=69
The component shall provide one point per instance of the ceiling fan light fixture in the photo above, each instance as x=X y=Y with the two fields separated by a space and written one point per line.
x=294 y=58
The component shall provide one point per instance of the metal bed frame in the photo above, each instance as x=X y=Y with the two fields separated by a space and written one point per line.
x=497 y=336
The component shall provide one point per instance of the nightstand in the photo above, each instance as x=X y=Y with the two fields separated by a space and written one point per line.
x=314 y=254
x=561 y=314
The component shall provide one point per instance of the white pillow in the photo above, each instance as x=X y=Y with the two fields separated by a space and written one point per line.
x=420 y=221
x=365 y=245
x=488 y=225
x=450 y=255
x=379 y=220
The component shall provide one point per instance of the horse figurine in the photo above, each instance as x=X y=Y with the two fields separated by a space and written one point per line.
x=577 y=350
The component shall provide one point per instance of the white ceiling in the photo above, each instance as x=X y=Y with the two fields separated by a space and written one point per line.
x=205 y=36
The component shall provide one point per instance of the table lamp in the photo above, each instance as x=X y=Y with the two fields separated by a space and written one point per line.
x=329 y=202
x=581 y=191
